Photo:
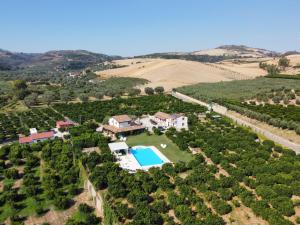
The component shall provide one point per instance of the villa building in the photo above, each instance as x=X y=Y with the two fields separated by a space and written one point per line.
x=35 y=137
x=122 y=125
x=164 y=120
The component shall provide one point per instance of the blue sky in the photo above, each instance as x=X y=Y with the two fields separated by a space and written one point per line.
x=132 y=27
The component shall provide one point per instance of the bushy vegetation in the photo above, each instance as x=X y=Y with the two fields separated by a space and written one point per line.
x=32 y=187
x=259 y=175
x=237 y=90
x=276 y=115
x=84 y=216
x=232 y=168
x=190 y=57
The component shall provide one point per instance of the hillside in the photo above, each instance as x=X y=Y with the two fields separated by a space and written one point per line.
x=54 y=60
x=172 y=73
x=238 y=51
x=10 y=60
x=294 y=63
x=224 y=52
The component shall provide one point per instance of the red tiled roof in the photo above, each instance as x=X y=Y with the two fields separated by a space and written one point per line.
x=122 y=118
x=162 y=115
x=48 y=134
x=23 y=140
x=37 y=136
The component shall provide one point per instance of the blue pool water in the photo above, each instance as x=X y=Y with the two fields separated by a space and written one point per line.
x=146 y=156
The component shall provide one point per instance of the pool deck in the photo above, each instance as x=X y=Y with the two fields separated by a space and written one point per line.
x=129 y=162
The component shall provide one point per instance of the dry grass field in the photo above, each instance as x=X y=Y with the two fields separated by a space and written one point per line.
x=172 y=73
x=294 y=67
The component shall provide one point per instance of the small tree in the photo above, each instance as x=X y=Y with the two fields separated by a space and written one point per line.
x=20 y=84
x=283 y=62
x=149 y=91
x=272 y=70
x=65 y=96
x=48 y=97
x=159 y=89
x=134 y=92
x=84 y=97
x=99 y=95
x=31 y=99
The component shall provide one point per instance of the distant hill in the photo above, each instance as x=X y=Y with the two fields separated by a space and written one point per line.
x=238 y=51
x=288 y=53
x=10 y=60
x=218 y=54
x=56 y=60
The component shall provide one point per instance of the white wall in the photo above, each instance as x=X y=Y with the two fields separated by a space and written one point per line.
x=113 y=122
x=181 y=123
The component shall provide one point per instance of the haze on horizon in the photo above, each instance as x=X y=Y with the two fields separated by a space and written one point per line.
x=136 y=27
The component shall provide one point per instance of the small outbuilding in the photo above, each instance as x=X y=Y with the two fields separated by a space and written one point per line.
x=118 y=148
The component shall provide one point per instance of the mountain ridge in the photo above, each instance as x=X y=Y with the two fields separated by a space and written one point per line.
x=57 y=58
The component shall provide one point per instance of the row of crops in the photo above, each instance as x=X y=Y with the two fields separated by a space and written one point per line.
x=13 y=124
x=285 y=117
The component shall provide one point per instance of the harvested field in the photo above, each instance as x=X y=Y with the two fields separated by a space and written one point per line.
x=171 y=73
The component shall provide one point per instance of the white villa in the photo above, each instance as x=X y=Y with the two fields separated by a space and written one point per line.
x=122 y=125
x=178 y=121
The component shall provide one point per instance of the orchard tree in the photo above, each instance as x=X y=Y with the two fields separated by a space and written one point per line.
x=159 y=90
x=84 y=97
x=134 y=92
x=48 y=97
x=31 y=99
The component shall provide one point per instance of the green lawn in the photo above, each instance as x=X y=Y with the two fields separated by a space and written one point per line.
x=172 y=152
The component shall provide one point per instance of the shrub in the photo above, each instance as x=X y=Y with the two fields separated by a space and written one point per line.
x=159 y=90
x=84 y=208
x=149 y=91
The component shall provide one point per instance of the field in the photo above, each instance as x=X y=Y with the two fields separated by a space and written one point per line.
x=172 y=151
x=294 y=67
x=171 y=73
x=237 y=90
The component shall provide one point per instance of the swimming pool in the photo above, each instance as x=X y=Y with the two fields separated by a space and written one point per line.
x=146 y=156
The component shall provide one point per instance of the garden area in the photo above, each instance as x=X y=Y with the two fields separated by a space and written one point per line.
x=172 y=152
